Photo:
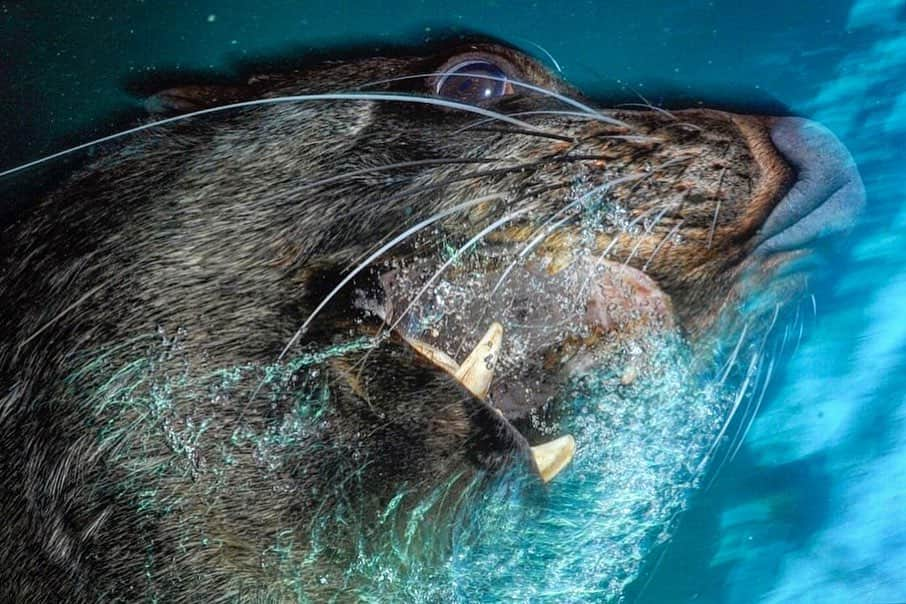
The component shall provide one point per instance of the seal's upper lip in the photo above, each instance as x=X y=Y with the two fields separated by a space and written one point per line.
x=826 y=196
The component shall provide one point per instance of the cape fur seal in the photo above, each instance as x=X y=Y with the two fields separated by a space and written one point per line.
x=244 y=350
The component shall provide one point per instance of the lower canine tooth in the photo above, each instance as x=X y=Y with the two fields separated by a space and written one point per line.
x=477 y=371
x=554 y=456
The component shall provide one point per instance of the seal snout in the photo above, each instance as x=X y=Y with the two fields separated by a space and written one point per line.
x=827 y=194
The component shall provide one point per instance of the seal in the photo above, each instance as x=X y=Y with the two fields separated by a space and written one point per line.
x=300 y=319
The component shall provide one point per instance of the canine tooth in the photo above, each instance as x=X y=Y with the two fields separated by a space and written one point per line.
x=553 y=456
x=435 y=355
x=477 y=370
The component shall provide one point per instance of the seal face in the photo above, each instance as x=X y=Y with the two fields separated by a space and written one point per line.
x=237 y=345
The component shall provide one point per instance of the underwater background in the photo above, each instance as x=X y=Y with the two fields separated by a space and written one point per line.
x=812 y=508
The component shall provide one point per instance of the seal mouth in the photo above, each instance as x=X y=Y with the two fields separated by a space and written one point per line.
x=559 y=324
x=827 y=194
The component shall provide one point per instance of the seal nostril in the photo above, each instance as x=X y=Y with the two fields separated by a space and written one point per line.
x=827 y=195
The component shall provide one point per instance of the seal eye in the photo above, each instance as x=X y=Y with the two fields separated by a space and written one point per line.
x=475 y=81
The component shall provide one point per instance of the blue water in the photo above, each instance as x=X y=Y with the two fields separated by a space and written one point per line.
x=813 y=507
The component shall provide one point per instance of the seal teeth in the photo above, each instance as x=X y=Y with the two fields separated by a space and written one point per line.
x=435 y=355
x=553 y=456
x=477 y=371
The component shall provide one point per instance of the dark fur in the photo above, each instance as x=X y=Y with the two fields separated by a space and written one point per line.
x=199 y=246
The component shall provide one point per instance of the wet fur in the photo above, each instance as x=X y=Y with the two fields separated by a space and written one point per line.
x=201 y=245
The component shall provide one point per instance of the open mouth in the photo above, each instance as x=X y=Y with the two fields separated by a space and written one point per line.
x=552 y=321
x=545 y=329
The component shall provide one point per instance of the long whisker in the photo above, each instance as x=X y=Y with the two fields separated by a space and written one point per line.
x=661 y=243
x=753 y=370
x=728 y=366
x=395 y=166
x=337 y=96
x=455 y=256
x=801 y=331
x=576 y=114
x=552 y=136
x=543 y=50
x=543 y=91
x=745 y=423
x=764 y=388
x=770 y=328
x=547 y=228
x=600 y=258
x=717 y=208
x=726 y=424
x=380 y=252
x=647 y=105
x=515 y=167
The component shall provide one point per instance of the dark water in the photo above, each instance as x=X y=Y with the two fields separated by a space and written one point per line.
x=813 y=507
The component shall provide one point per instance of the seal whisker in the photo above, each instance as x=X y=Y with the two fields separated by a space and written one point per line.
x=496 y=172
x=362 y=266
x=440 y=184
x=540 y=90
x=720 y=183
x=338 y=96
x=558 y=137
x=367 y=262
x=576 y=114
x=453 y=258
x=647 y=105
x=741 y=432
x=442 y=161
x=648 y=228
x=764 y=388
x=735 y=407
x=661 y=243
x=801 y=331
x=748 y=386
x=544 y=51
x=651 y=106
x=728 y=366
x=547 y=228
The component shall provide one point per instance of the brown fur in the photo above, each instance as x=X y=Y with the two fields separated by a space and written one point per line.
x=202 y=245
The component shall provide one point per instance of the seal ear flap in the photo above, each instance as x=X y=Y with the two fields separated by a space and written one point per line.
x=185 y=99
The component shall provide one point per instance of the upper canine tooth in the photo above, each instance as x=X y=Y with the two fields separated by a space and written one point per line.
x=477 y=371
x=553 y=456
x=435 y=355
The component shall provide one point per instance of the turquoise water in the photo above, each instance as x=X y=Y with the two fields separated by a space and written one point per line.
x=813 y=507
